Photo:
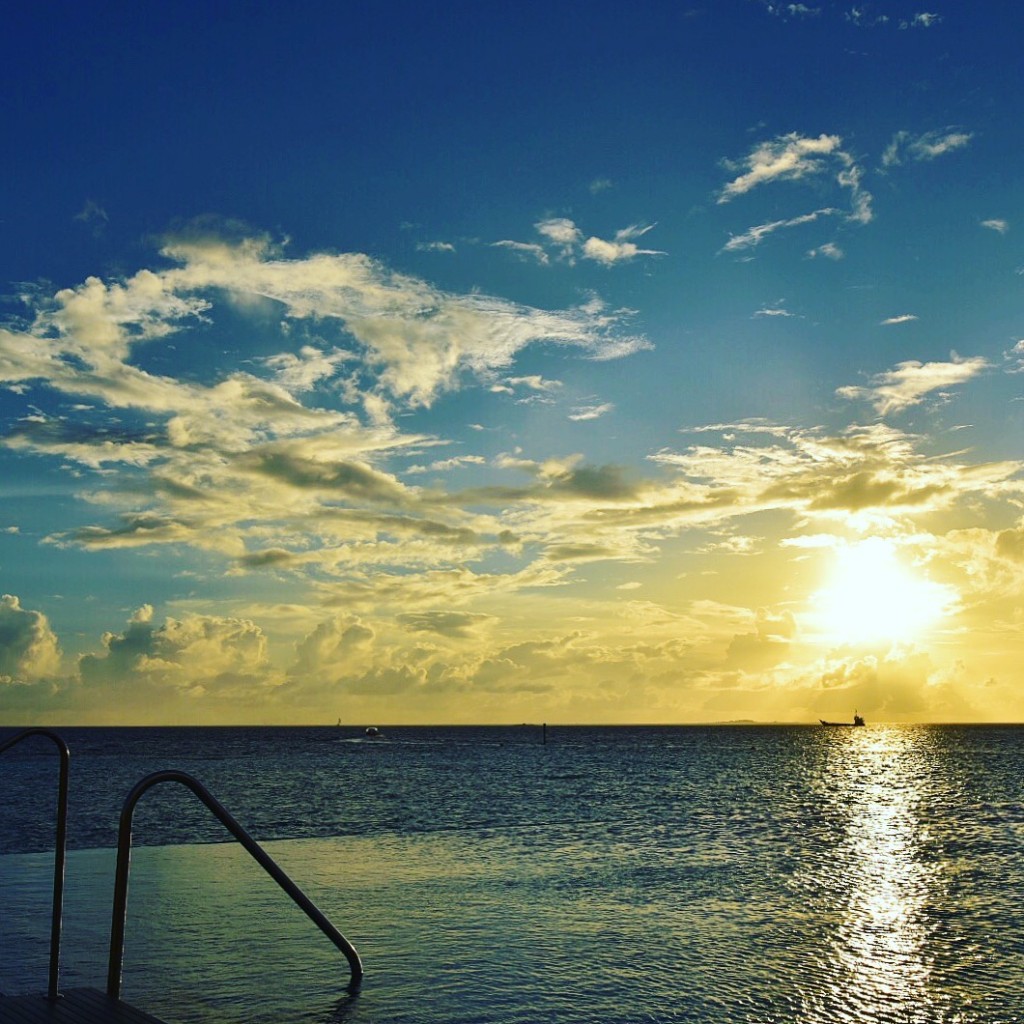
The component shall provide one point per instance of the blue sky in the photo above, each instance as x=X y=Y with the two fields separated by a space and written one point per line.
x=466 y=362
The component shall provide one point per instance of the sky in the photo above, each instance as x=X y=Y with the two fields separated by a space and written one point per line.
x=452 y=362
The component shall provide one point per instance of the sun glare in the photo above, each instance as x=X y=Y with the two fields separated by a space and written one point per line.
x=872 y=597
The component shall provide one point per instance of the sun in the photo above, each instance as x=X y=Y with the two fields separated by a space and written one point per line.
x=872 y=597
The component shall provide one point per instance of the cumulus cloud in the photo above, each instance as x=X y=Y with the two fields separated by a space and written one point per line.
x=912 y=381
x=197 y=655
x=562 y=233
x=335 y=646
x=621 y=249
x=996 y=224
x=28 y=647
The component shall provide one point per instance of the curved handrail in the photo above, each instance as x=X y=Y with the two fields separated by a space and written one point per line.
x=60 y=847
x=124 y=846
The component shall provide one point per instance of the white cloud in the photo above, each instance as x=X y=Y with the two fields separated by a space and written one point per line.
x=925 y=147
x=538 y=389
x=568 y=243
x=911 y=382
x=892 y=155
x=523 y=249
x=621 y=249
x=996 y=224
x=435 y=247
x=794 y=157
x=590 y=412
x=829 y=251
x=561 y=232
x=416 y=339
x=860 y=200
x=535 y=382
x=196 y=656
x=786 y=158
x=860 y=16
x=922 y=20
x=443 y=465
x=936 y=144
x=303 y=370
x=233 y=464
x=28 y=647
x=902 y=318
x=754 y=236
x=100 y=323
x=1016 y=357
x=773 y=311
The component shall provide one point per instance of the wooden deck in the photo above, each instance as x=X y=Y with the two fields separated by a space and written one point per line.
x=76 y=1006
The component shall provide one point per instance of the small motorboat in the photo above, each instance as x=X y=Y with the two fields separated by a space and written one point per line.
x=371 y=732
x=858 y=720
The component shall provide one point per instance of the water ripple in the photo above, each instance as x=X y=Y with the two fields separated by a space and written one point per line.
x=690 y=876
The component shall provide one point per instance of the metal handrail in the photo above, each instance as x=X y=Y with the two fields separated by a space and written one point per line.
x=60 y=848
x=124 y=847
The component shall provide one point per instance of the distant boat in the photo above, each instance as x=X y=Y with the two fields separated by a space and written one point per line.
x=857 y=721
x=371 y=732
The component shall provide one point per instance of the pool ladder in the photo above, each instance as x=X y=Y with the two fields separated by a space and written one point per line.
x=119 y=912
x=59 y=849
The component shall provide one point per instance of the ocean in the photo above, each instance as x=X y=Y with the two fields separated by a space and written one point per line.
x=720 y=875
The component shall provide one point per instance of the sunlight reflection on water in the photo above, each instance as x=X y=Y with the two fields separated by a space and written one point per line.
x=890 y=880
x=759 y=876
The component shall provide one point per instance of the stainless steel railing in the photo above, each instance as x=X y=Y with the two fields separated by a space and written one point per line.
x=60 y=847
x=124 y=846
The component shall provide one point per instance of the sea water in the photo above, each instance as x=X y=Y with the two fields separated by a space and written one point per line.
x=763 y=875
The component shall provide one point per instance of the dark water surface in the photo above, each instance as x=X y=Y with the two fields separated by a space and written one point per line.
x=762 y=875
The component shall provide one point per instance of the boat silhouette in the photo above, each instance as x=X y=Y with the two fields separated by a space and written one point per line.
x=857 y=721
